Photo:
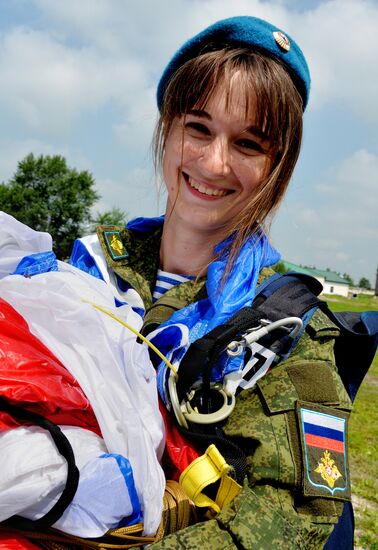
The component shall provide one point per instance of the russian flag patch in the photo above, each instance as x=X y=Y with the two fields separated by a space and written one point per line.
x=324 y=449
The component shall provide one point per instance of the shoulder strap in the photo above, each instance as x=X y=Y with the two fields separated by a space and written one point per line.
x=288 y=295
x=65 y=449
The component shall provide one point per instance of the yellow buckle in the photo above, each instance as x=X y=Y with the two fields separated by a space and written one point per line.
x=202 y=472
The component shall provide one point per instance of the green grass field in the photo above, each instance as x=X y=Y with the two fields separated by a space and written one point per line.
x=364 y=440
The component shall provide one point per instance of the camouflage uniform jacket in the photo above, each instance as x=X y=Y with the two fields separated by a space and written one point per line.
x=290 y=497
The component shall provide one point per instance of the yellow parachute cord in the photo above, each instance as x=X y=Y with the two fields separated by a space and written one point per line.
x=143 y=338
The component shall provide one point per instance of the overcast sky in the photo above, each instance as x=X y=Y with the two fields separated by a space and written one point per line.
x=78 y=78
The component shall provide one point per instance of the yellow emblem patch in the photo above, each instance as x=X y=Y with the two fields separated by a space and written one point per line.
x=115 y=245
x=328 y=469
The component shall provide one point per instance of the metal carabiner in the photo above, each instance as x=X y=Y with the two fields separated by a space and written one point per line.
x=236 y=347
x=185 y=412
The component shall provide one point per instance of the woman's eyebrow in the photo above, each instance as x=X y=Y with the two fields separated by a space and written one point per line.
x=256 y=131
x=199 y=113
x=253 y=130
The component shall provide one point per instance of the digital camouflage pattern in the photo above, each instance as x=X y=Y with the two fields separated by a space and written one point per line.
x=140 y=266
x=272 y=510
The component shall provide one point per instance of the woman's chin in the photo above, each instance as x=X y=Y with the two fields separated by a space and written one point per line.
x=198 y=221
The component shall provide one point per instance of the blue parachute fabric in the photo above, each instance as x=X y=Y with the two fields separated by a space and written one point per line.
x=34 y=264
x=356 y=346
x=122 y=285
x=119 y=303
x=106 y=498
x=127 y=472
x=343 y=533
x=370 y=321
x=82 y=259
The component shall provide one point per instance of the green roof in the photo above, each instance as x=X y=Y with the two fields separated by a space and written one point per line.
x=328 y=275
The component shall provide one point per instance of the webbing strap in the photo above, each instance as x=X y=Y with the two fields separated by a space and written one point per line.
x=65 y=449
x=203 y=472
x=288 y=296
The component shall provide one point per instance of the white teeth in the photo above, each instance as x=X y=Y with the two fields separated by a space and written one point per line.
x=206 y=190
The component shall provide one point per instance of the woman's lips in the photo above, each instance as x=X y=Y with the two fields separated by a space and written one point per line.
x=207 y=190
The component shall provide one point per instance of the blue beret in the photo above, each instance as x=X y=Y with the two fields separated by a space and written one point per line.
x=244 y=31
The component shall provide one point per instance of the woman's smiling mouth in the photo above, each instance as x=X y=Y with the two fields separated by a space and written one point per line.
x=205 y=189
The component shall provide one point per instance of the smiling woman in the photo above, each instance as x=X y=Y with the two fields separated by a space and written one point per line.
x=231 y=104
x=227 y=134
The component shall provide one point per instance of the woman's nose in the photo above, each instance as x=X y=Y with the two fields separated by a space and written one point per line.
x=215 y=158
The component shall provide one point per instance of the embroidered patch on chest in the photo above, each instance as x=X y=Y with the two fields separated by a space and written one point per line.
x=115 y=246
x=324 y=449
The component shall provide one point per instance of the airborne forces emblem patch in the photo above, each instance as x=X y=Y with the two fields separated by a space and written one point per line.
x=328 y=469
x=323 y=435
x=115 y=245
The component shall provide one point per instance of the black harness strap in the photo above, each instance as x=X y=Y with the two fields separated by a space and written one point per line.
x=288 y=296
x=231 y=452
x=65 y=449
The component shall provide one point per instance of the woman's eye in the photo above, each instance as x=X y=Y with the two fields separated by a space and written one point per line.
x=196 y=128
x=250 y=145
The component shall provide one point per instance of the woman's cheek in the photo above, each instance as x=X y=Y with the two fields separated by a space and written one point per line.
x=260 y=169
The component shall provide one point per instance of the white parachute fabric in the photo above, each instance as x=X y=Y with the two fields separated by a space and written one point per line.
x=16 y=241
x=34 y=475
x=112 y=368
x=92 y=246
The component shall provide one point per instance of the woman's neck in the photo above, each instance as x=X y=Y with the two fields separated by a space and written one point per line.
x=185 y=251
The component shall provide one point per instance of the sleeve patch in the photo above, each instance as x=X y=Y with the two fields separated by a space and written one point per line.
x=324 y=448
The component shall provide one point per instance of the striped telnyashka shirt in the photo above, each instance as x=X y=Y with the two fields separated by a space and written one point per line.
x=165 y=281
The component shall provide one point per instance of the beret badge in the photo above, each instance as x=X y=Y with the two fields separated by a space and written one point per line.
x=282 y=40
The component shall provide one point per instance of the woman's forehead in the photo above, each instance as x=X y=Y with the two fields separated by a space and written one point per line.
x=234 y=95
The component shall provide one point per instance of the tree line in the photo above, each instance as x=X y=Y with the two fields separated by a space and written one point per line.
x=47 y=195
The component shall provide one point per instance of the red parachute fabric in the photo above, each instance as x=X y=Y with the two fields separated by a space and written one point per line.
x=32 y=377
x=179 y=452
x=16 y=542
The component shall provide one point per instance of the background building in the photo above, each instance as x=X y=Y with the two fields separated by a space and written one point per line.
x=332 y=282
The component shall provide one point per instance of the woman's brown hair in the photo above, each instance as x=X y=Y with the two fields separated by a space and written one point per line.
x=279 y=116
